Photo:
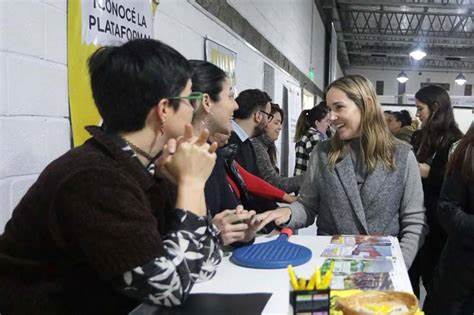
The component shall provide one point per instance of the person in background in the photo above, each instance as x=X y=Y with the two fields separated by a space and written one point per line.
x=362 y=181
x=431 y=146
x=265 y=151
x=399 y=124
x=386 y=114
x=250 y=120
x=311 y=128
x=229 y=186
x=95 y=234
x=215 y=114
x=453 y=284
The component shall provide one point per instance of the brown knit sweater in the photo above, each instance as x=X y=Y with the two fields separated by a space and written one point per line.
x=92 y=214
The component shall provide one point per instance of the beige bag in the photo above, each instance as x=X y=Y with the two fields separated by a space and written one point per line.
x=378 y=302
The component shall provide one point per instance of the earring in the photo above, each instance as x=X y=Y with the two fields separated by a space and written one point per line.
x=162 y=127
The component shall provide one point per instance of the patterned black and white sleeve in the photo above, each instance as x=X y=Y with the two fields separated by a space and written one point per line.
x=192 y=252
x=301 y=158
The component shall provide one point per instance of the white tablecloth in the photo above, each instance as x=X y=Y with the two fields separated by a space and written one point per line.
x=234 y=279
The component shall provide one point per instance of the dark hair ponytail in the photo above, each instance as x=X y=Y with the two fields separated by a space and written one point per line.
x=207 y=78
x=308 y=117
x=403 y=117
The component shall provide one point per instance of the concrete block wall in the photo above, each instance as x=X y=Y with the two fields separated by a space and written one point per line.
x=34 y=114
x=184 y=26
x=34 y=125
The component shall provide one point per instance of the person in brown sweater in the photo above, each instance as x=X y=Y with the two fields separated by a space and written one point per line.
x=98 y=232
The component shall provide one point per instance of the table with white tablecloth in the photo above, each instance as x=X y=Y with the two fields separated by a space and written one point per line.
x=233 y=279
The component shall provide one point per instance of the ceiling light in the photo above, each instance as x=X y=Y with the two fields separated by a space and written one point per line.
x=460 y=79
x=418 y=54
x=402 y=77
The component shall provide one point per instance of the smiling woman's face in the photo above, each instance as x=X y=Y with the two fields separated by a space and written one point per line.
x=274 y=127
x=345 y=115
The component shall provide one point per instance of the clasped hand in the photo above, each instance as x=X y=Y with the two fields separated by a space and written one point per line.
x=188 y=158
x=236 y=225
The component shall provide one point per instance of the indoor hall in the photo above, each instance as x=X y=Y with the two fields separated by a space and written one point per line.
x=291 y=51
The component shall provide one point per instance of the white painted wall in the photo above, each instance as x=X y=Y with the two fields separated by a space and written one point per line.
x=34 y=125
x=287 y=25
x=183 y=26
x=339 y=72
x=34 y=115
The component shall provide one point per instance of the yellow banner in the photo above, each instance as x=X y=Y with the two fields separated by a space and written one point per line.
x=91 y=24
x=222 y=57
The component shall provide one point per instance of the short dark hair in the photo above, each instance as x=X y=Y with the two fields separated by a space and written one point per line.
x=250 y=101
x=128 y=80
x=207 y=78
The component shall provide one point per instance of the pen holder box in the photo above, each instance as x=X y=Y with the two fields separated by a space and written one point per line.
x=315 y=302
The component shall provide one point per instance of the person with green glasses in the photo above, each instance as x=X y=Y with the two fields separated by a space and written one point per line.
x=98 y=233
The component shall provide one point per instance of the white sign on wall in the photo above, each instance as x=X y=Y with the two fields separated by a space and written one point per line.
x=106 y=22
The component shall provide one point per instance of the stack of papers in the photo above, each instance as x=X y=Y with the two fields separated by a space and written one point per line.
x=360 y=262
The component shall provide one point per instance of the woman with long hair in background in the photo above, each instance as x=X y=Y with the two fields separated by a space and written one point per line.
x=453 y=284
x=229 y=184
x=431 y=145
x=311 y=127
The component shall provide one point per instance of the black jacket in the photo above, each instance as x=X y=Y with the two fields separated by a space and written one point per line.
x=245 y=155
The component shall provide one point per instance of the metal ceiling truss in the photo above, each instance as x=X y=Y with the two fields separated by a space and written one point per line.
x=358 y=60
x=407 y=24
x=381 y=33
x=401 y=39
x=404 y=50
x=440 y=4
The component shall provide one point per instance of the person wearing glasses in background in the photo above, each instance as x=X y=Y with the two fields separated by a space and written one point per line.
x=265 y=149
x=250 y=120
x=97 y=233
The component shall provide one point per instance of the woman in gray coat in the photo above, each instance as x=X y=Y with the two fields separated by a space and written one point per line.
x=363 y=180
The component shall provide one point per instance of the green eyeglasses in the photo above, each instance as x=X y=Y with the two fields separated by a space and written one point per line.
x=195 y=99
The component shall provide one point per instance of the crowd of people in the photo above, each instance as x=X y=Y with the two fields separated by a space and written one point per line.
x=182 y=169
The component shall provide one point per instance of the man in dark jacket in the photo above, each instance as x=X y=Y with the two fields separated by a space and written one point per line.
x=250 y=120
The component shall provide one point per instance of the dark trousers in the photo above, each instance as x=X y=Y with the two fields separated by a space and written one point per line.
x=453 y=285
x=423 y=268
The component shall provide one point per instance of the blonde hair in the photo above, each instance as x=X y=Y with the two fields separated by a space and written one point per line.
x=378 y=144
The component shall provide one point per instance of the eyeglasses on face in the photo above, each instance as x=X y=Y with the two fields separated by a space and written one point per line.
x=195 y=99
x=269 y=116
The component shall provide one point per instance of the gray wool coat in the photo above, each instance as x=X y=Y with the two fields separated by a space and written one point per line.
x=387 y=203
x=265 y=167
